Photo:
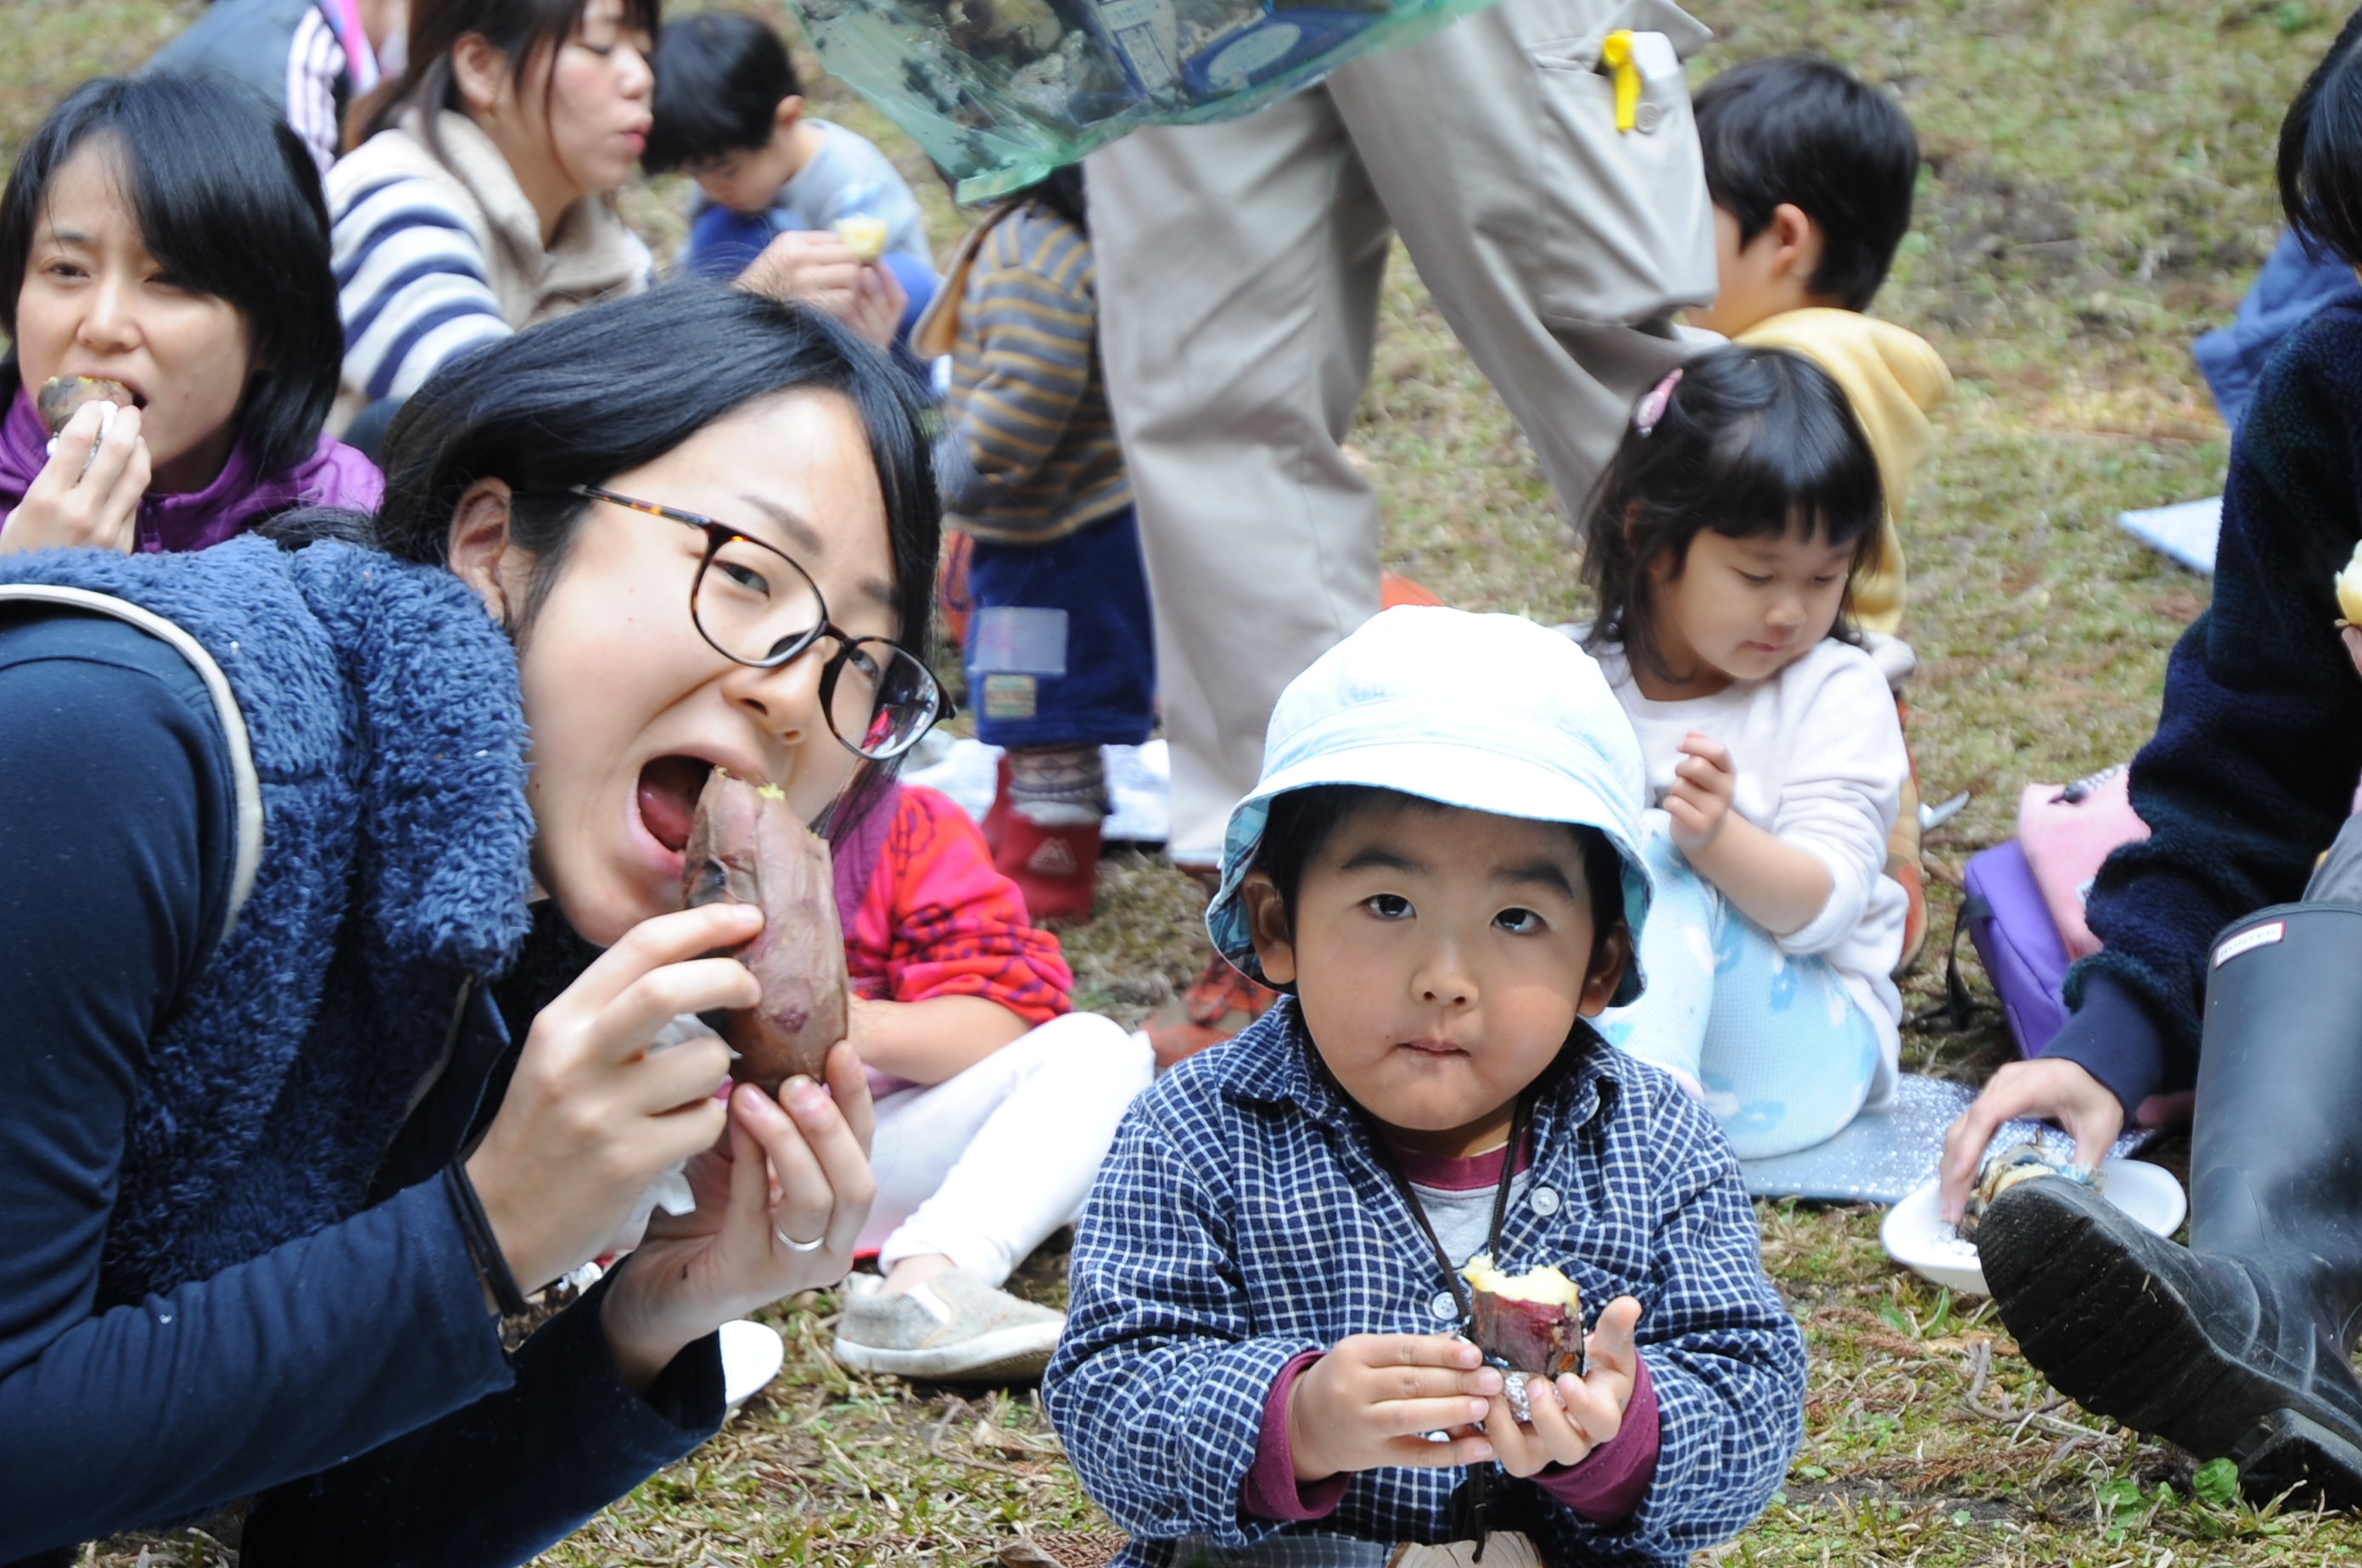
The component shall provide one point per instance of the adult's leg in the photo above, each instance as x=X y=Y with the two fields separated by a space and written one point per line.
x=2239 y=1344
x=1557 y=250
x=982 y=1167
x=1239 y=268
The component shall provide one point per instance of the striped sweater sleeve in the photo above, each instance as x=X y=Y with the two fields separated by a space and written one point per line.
x=1031 y=307
x=410 y=285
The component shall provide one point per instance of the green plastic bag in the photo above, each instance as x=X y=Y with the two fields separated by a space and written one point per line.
x=1002 y=91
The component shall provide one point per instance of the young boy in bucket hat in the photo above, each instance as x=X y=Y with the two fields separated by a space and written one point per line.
x=1439 y=869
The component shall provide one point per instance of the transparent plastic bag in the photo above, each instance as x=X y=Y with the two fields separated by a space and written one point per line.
x=1002 y=91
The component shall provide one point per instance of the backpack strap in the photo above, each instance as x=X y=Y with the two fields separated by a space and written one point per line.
x=247 y=784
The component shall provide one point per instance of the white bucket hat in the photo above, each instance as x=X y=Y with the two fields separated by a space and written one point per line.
x=1489 y=713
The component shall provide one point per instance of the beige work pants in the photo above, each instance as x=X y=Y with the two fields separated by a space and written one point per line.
x=1239 y=270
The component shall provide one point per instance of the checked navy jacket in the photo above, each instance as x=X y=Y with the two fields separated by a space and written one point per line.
x=1243 y=1218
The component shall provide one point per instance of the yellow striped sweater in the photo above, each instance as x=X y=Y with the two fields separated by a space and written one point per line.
x=1028 y=401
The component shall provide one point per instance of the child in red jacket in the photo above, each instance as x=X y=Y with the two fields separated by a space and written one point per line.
x=996 y=1102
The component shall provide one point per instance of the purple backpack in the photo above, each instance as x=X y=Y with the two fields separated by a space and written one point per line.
x=2017 y=942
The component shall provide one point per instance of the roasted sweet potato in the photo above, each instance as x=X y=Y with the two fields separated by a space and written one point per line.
x=748 y=847
x=1530 y=1323
x=61 y=395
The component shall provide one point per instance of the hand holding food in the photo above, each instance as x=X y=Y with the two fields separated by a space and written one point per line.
x=780 y=1203
x=591 y=1114
x=2021 y=1162
x=1372 y=1401
x=2052 y=1087
x=747 y=845
x=864 y=237
x=1568 y=1416
x=87 y=494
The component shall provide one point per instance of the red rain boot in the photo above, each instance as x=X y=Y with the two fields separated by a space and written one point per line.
x=1057 y=868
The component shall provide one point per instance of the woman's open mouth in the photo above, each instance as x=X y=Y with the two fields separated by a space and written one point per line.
x=668 y=797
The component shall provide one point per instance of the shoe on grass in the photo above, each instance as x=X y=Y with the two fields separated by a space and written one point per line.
x=953 y=1327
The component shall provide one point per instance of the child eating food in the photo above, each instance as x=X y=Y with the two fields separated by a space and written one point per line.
x=164 y=276
x=1442 y=867
x=1722 y=543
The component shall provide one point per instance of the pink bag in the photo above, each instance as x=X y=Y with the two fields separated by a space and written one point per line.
x=2065 y=832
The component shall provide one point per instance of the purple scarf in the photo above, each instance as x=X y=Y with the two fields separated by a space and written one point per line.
x=334 y=475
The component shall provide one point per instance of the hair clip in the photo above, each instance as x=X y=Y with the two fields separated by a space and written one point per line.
x=1653 y=407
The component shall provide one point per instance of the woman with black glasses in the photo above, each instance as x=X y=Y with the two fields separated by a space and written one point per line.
x=307 y=854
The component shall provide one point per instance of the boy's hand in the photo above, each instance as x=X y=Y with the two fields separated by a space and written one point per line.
x=1370 y=1401
x=1704 y=783
x=1573 y=1415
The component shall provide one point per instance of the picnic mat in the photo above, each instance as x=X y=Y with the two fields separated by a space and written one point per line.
x=1883 y=1154
x=2185 y=532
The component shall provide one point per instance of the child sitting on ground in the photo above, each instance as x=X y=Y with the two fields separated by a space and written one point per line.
x=1439 y=866
x=1721 y=544
x=1061 y=658
x=995 y=1103
x=729 y=111
x=167 y=234
x=1811 y=173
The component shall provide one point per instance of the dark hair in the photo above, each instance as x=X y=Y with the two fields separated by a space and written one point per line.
x=1061 y=192
x=2321 y=152
x=719 y=88
x=1752 y=441
x=522 y=30
x=228 y=199
x=1800 y=129
x=581 y=399
x=1301 y=823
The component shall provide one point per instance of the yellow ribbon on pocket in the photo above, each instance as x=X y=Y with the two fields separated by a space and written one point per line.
x=1616 y=54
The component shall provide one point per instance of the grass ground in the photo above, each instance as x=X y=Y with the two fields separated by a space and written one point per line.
x=2097 y=192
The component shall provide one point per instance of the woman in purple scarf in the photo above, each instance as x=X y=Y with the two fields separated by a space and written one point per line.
x=168 y=237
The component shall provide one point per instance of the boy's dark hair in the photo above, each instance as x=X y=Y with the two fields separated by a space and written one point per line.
x=1796 y=129
x=1302 y=822
x=720 y=81
x=1752 y=441
x=228 y=199
x=2321 y=152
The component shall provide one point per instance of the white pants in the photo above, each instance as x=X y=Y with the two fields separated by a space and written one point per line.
x=1238 y=275
x=983 y=1167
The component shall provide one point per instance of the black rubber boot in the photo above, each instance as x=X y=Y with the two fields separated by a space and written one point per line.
x=2239 y=1344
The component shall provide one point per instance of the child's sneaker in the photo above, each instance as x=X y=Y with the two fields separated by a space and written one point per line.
x=1057 y=868
x=1218 y=1004
x=952 y=1327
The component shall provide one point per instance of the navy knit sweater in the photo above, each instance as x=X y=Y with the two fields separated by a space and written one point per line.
x=231 y=1270
x=2258 y=748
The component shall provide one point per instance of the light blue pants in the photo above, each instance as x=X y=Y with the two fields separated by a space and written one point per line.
x=1775 y=1043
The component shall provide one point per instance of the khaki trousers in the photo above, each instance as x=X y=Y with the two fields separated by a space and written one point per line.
x=1239 y=274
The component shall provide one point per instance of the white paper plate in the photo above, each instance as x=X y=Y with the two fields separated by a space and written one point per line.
x=752 y=1354
x=1916 y=1237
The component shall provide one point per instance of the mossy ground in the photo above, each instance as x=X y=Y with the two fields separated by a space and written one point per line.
x=2098 y=191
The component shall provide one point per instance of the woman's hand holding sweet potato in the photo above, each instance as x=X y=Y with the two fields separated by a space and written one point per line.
x=87 y=495
x=791 y=1171
x=591 y=1115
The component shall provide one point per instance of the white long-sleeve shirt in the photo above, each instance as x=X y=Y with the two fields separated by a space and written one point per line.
x=1819 y=753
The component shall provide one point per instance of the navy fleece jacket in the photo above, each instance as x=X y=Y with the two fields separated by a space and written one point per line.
x=2253 y=766
x=116 y=846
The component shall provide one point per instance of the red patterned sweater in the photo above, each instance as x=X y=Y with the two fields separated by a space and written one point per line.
x=936 y=919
